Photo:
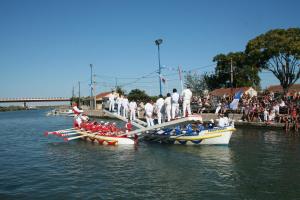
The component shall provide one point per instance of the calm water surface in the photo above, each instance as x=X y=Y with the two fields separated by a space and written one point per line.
x=257 y=164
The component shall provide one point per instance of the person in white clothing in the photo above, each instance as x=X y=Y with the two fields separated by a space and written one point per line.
x=132 y=109
x=111 y=99
x=125 y=106
x=149 y=113
x=175 y=104
x=119 y=104
x=167 y=103
x=186 y=96
x=159 y=108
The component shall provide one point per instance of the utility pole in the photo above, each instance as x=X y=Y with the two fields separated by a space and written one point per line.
x=116 y=80
x=231 y=76
x=92 y=85
x=73 y=92
x=78 y=93
x=94 y=91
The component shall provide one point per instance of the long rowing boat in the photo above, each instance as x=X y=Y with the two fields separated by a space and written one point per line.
x=215 y=136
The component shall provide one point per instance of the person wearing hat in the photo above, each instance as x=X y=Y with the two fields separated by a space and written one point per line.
x=75 y=109
x=186 y=96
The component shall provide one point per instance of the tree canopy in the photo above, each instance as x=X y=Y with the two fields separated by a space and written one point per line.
x=279 y=52
x=196 y=82
x=245 y=73
x=138 y=95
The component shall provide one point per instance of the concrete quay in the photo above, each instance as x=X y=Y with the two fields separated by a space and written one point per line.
x=206 y=117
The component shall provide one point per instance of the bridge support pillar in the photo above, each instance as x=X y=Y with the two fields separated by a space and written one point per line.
x=25 y=106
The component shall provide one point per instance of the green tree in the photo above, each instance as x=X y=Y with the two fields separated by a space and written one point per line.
x=245 y=73
x=120 y=90
x=138 y=95
x=196 y=82
x=279 y=52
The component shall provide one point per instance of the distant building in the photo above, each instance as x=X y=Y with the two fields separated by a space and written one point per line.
x=102 y=98
x=224 y=92
x=277 y=89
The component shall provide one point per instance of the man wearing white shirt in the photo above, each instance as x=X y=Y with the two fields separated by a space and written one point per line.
x=167 y=103
x=125 y=105
x=159 y=108
x=186 y=95
x=132 y=109
x=175 y=104
x=119 y=104
x=149 y=113
x=111 y=99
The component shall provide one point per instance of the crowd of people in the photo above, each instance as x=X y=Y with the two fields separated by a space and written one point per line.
x=262 y=108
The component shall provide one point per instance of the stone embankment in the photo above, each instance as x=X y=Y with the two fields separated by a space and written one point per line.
x=207 y=117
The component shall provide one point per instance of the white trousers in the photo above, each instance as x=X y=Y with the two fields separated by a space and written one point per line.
x=159 y=117
x=149 y=119
x=186 y=107
x=111 y=105
x=168 y=112
x=125 y=112
x=119 y=109
x=132 y=115
x=175 y=110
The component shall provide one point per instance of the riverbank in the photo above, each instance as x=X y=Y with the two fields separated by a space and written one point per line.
x=12 y=108
x=207 y=117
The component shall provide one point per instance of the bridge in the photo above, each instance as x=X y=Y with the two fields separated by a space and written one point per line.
x=25 y=100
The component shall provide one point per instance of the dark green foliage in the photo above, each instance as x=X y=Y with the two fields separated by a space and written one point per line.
x=279 y=52
x=138 y=95
x=245 y=72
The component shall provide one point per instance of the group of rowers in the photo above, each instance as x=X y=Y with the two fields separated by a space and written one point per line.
x=81 y=121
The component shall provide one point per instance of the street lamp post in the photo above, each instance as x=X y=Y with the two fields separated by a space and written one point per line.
x=158 y=42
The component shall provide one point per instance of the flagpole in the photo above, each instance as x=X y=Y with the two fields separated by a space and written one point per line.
x=180 y=78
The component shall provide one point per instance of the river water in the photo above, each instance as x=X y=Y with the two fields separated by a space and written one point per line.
x=257 y=164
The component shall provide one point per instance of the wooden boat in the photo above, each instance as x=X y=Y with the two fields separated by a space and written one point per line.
x=215 y=136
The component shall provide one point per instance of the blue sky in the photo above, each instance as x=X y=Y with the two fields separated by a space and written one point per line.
x=46 y=46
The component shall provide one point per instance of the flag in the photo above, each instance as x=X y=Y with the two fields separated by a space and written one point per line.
x=163 y=79
x=179 y=71
x=234 y=104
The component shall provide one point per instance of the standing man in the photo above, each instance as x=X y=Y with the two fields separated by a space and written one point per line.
x=111 y=99
x=175 y=104
x=125 y=105
x=168 y=105
x=132 y=109
x=159 y=108
x=119 y=104
x=149 y=113
x=186 y=96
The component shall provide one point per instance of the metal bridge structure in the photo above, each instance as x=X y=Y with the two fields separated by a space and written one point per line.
x=26 y=100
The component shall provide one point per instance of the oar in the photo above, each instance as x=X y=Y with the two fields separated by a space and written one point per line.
x=85 y=134
x=59 y=131
x=73 y=138
x=67 y=134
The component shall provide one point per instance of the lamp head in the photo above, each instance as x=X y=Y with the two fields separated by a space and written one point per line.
x=158 y=41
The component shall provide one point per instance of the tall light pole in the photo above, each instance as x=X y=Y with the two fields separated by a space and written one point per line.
x=158 y=42
x=78 y=93
x=91 y=98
